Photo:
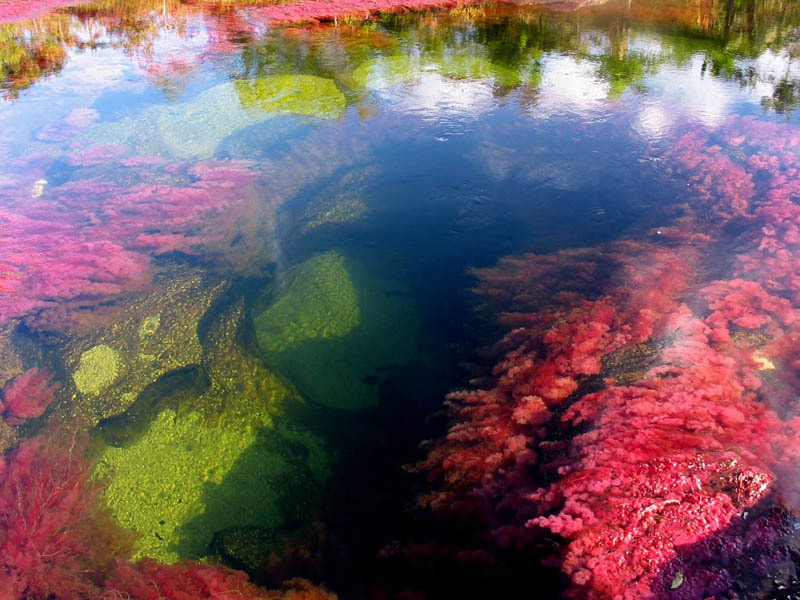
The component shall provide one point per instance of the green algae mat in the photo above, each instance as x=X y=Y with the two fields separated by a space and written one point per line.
x=186 y=478
x=188 y=130
x=336 y=331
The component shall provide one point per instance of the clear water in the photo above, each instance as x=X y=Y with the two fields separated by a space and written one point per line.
x=285 y=219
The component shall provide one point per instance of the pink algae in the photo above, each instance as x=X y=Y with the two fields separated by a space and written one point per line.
x=90 y=239
x=677 y=482
x=27 y=396
x=23 y=10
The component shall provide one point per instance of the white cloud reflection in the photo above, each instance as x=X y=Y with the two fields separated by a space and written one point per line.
x=569 y=85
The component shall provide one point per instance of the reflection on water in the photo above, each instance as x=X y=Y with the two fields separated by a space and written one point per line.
x=242 y=263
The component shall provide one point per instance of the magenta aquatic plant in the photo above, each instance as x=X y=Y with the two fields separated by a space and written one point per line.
x=91 y=239
x=27 y=396
x=671 y=471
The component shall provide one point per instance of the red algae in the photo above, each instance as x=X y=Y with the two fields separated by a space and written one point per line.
x=12 y=11
x=90 y=239
x=637 y=390
x=28 y=396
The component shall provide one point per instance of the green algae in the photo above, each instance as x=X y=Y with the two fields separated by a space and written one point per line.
x=319 y=302
x=98 y=368
x=149 y=326
x=337 y=331
x=186 y=478
x=296 y=94
x=196 y=127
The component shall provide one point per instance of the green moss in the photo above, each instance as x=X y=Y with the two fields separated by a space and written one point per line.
x=297 y=94
x=149 y=326
x=319 y=302
x=337 y=331
x=190 y=129
x=186 y=478
x=98 y=368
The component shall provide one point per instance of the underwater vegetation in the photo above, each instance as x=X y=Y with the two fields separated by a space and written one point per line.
x=335 y=330
x=57 y=541
x=651 y=407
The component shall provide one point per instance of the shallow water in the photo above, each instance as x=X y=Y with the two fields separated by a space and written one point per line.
x=242 y=255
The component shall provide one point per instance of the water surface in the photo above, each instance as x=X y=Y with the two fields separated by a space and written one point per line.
x=244 y=251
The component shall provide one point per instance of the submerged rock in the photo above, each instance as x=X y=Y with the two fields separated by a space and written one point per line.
x=187 y=477
x=184 y=129
x=308 y=95
x=98 y=368
x=336 y=332
x=244 y=548
x=151 y=336
x=199 y=451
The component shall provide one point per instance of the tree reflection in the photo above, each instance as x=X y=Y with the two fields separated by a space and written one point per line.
x=500 y=42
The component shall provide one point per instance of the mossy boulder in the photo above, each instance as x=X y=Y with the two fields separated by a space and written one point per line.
x=296 y=94
x=195 y=127
x=336 y=331
x=138 y=342
x=188 y=477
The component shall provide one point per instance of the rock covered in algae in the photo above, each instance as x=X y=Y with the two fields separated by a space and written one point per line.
x=98 y=368
x=335 y=331
x=194 y=128
x=296 y=94
x=341 y=201
x=187 y=477
x=191 y=459
x=150 y=336
x=320 y=302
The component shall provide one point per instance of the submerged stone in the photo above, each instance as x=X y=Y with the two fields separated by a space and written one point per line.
x=146 y=338
x=245 y=548
x=336 y=331
x=98 y=368
x=196 y=127
x=187 y=477
x=319 y=302
x=297 y=94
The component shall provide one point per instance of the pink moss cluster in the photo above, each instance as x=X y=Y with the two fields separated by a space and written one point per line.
x=644 y=412
x=12 y=11
x=52 y=542
x=91 y=239
x=57 y=541
x=27 y=396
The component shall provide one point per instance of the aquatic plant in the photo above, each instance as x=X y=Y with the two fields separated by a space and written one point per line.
x=23 y=10
x=149 y=580
x=27 y=396
x=91 y=239
x=296 y=94
x=668 y=471
x=336 y=330
x=54 y=541
x=328 y=10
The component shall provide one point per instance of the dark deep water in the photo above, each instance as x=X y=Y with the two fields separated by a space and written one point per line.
x=243 y=252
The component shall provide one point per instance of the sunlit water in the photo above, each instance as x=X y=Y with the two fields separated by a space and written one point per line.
x=243 y=251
